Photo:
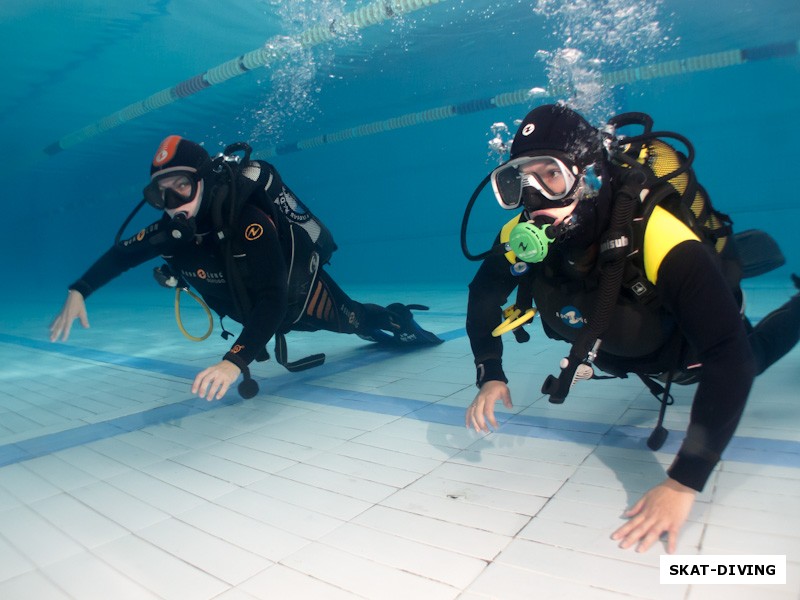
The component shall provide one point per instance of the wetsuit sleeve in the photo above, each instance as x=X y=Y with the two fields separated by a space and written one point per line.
x=694 y=289
x=145 y=245
x=267 y=287
x=488 y=292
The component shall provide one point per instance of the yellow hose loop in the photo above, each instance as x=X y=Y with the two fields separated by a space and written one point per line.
x=513 y=320
x=178 y=314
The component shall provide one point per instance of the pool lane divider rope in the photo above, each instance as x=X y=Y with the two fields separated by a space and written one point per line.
x=376 y=13
x=631 y=75
x=300 y=387
x=274 y=50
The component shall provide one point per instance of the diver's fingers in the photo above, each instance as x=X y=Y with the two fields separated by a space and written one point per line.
x=74 y=308
x=475 y=418
x=60 y=328
x=213 y=383
x=223 y=389
x=201 y=382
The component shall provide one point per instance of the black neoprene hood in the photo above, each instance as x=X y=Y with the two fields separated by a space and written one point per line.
x=555 y=127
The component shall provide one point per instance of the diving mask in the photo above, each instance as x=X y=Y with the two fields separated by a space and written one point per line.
x=554 y=177
x=171 y=191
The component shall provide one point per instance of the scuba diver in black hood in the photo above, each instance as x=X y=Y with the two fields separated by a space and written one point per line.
x=600 y=254
x=234 y=232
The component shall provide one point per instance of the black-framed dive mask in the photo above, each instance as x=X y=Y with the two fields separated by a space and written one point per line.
x=179 y=192
x=553 y=176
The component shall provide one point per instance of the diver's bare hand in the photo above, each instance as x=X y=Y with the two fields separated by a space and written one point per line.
x=482 y=408
x=664 y=508
x=213 y=383
x=74 y=308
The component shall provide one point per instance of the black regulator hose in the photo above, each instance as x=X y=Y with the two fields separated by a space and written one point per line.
x=465 y=221
x=687 y=164
x=127 y=221
x=632 y=118
x=232 y=149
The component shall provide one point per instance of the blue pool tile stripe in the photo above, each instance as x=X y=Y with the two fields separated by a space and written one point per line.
x=102 y=356
x=741 y=449
x=453 y=334
x=92 y=432
x=299 y=387
x=368 y=354
x=763 y=451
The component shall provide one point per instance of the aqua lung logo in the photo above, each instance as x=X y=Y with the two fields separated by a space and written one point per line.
x=208 y=277
x=528 y=129
x=571 y=317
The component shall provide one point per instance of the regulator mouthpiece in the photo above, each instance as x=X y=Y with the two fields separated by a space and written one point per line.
x=530 y=242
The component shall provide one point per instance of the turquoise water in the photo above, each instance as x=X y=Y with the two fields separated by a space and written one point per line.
x=394 y=199
x=116 y=481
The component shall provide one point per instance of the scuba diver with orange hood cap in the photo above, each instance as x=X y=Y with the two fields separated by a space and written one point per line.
x=234 y=232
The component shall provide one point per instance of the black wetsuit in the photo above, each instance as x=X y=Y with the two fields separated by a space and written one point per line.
x=200 y=262
x=695 y=300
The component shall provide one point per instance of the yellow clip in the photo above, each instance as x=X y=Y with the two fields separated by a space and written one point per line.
x=513 y=320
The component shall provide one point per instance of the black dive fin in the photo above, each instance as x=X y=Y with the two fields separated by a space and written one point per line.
x=379 y=336
x=408 y=331
x=758 y=252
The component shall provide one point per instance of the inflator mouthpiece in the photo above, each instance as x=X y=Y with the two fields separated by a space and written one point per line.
x=530 y=242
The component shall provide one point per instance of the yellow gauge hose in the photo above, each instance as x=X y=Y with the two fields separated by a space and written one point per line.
x=513 y=320
x=178 y=314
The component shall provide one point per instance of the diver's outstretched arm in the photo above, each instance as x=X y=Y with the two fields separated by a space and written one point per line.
x=74 y=308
